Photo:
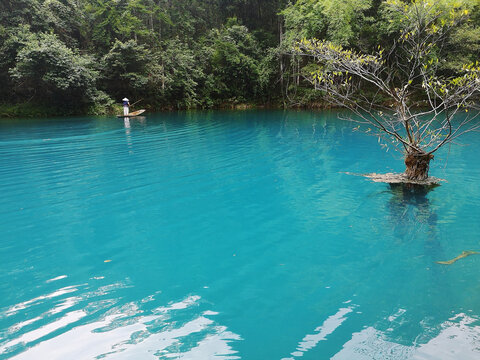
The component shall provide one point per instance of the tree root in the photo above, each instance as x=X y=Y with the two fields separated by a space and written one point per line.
x=399 y=178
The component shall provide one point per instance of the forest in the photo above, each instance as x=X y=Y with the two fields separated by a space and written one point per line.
x=84 y=56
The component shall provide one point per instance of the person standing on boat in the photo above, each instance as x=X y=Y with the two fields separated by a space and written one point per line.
x=126 y=104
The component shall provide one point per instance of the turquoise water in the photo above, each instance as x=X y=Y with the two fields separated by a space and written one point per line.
x=231 y=235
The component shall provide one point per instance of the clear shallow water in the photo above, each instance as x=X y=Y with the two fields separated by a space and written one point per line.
x=230 y=235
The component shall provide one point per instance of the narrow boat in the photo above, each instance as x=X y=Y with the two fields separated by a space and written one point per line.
x=132 y=114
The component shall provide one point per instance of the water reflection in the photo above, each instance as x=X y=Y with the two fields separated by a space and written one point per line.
x=422 y=326
x=410 y=206
x=414 y=217
x=128 y=135
x=321 y=333
x=254 y=207
x=95 y=324
x=126 y=122
x=459 y=338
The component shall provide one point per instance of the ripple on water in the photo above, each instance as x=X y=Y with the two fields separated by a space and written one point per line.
x=95 y=324
x=231 y=235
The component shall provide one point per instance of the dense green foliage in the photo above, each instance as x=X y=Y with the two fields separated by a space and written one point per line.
x=47 y=66
x=88 y=54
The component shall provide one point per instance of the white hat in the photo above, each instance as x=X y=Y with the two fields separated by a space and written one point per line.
x=125 y=99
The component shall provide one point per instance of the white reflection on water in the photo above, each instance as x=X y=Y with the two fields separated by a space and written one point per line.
x=458 y=339
x=36 y=334
x=135 y=341
x=56 y=278
x=321 y=333
x=22 y=306
x=123 y=332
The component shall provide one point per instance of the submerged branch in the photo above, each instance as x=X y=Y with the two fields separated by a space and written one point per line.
x=461 y=256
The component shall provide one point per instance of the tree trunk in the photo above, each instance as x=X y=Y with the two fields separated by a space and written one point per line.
x=417 y=165
x=281 y=59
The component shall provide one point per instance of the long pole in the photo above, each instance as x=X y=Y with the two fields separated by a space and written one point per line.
x=136 y=102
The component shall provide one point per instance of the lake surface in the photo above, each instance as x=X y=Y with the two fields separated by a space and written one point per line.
x=231 y=235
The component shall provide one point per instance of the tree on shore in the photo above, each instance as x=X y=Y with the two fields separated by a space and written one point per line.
x=46 y=68
x=398 y=92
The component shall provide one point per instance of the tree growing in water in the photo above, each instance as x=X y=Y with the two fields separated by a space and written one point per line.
x=399 y=92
